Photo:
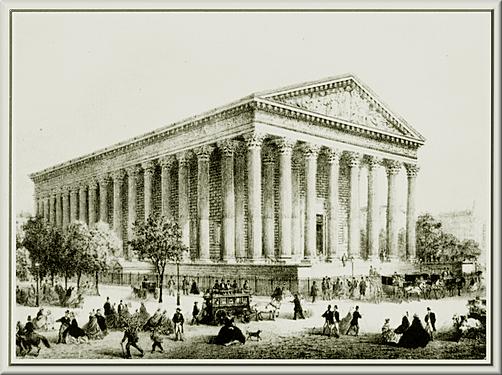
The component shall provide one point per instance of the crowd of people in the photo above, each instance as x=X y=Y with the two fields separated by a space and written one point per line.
x=363 y=288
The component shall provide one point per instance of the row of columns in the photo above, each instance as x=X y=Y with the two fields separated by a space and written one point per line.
x=61 y=208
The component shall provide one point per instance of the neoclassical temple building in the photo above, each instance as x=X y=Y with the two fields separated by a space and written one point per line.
x=271 y=179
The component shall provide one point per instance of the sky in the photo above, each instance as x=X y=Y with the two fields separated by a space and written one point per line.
x=84 y=81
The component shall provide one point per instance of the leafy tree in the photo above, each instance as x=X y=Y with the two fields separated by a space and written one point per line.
x=78 y=258
x=23 y=263
x=429 y=237
x=448 y=250
x=105 y=246
x=45 y=244
x=468 y=250
x=159 y=241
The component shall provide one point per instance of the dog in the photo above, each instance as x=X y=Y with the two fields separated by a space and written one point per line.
x=254 y=334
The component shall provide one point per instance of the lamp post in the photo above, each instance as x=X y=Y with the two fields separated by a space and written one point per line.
x=178 y=281
x=37 y=266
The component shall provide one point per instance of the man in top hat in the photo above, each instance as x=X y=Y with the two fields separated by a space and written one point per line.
x=430 y=321
x=178 y=321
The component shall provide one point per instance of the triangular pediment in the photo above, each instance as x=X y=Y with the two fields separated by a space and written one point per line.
x=344 y=98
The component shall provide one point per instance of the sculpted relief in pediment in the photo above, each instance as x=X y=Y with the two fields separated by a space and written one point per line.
x=346 y=103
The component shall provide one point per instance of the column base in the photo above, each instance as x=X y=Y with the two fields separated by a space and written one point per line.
x=256 y=260
x=204 y=261
x=285 y=260
x=229 y=260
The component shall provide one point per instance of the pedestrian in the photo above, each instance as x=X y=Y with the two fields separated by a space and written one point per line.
x=354 y=323
x=362 y=288
x=170 y=286
x=156 y=338
x=336 y=316
x=329 y=321
x=430 y=323
x=131 y=336
x=101 y=322
x=313 y=291
x=178 y=321
x=195 y=313
x=185 y=285
x=328 y=289
x=63 y=329
x=323 y=289
x=120 y=307
x=298 y=310
x=107 y=307
x=194 y=289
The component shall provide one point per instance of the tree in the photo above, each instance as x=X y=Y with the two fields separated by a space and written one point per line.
x=45 y=245
x=78 y=253
x=159 y=241
x=468 y=250
x=448 y=249
x=23 y=263
x=429 y=239
x=105 y=246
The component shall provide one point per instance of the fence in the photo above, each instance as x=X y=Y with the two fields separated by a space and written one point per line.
x=259 y=285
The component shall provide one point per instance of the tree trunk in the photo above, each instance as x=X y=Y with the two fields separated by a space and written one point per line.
x=52 y=278
x=78 y=280
x=65 y=282
x=160 y=286
x=97 y=280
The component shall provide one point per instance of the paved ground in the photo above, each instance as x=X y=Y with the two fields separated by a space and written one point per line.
x=283 y=338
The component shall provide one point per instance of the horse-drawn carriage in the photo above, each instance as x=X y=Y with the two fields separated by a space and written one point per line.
x=146 y=288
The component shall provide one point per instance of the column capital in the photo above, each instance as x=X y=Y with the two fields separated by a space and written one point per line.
x=311 y=150
x=285 y=145
x=83 y=185
x=333 y=155
x=118 y=175
x=254 y=140
x=227 y=147
x=372 y=161
x=393 y=166
x=167 y=161
x=66 y=189
x=74 y=187
x=92 y=183
x=103 y=178
x=204 y=152
x=411 y=169
x=353 y=158
x=268 y=155
x=55 y=192
x=148 y=166
x=184 y=157
x=240 y=149
x=132 y=171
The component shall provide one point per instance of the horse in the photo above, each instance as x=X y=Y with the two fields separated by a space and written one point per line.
x=270 y=310
x=412 y=290
x=27 y=341
x=138 y=292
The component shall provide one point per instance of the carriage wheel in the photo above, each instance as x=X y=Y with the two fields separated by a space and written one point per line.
x=220 y=316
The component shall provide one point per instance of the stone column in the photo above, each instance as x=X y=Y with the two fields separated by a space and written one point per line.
x=59 y=209
x=52 y=208
x=354 y=211
x=254 y=142
x=296 y=245
x=333 y=157
x=132 y=183
x=183 y=197
x=66 y=206
x=46 y=209
x=240 y=173
x=285 y=150
x=203 y=155
x=165 y=184
x=411 y=241
x=227 y=148
x=268 y=202
x=393 y=168
x=103 y=198
x=93 y=187
x=73 y=203
x=82 y=209
x=372 y=230
x=149 y=170
x=311 y=151
x=118 y=180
